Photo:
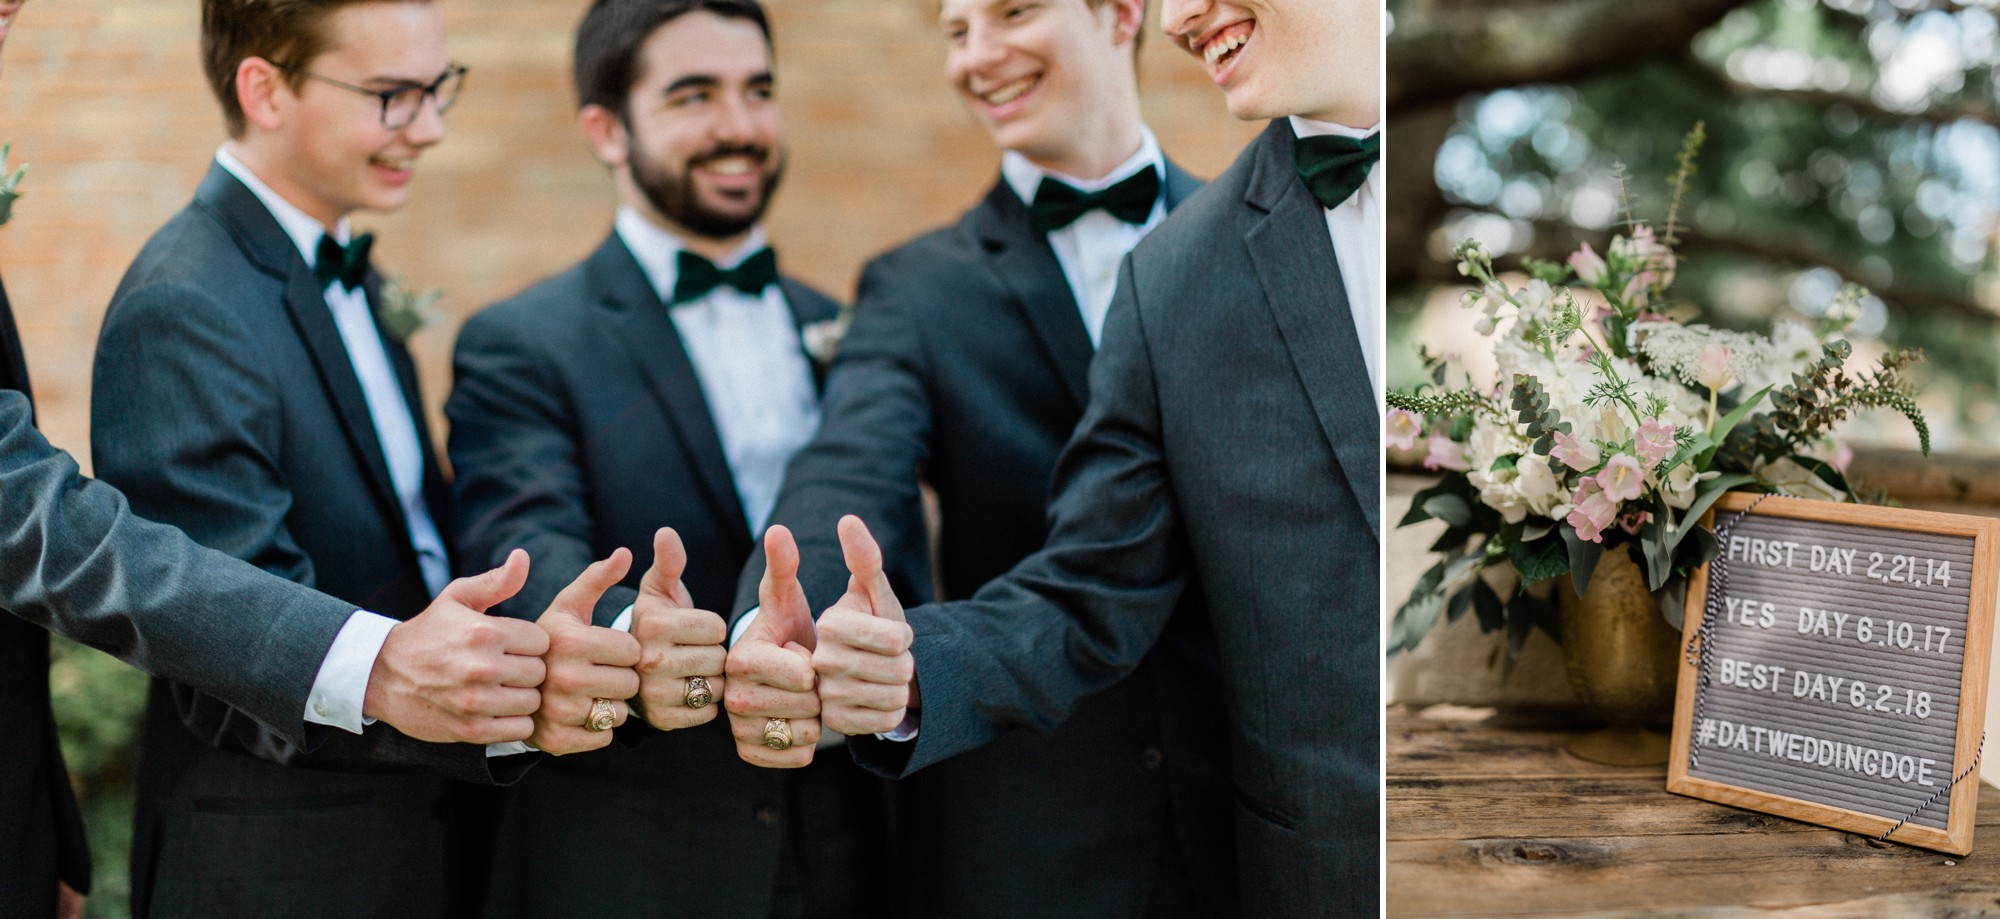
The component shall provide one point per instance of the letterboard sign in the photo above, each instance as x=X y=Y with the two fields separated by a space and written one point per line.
x=1833 y=667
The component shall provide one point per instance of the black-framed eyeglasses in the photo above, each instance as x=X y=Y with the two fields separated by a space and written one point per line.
x=400 y=105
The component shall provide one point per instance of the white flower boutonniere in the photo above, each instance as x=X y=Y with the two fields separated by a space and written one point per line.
x=822 y=339
x=406 y=312
x=10 y=183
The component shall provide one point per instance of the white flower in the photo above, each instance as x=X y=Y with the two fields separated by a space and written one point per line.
x=1538 y=485
x=822 y=339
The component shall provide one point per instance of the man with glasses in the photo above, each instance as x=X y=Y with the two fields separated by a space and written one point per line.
x=245 y=391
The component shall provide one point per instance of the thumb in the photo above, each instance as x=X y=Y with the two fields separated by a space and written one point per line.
x=482 y=592
x=579 y=599
x=669 y=560
x=864 y=563
x=782 y=612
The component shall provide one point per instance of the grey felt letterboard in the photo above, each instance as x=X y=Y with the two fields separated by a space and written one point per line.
x=1853 y=668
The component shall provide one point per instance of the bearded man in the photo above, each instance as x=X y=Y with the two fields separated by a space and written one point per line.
x=663 y=379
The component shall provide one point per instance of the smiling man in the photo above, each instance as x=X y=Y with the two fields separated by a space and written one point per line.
x=1230 y=449
x=665 y=378
x=966 y=369
x=245 y=391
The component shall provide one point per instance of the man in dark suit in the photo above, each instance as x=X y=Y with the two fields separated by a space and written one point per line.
x=664 y=378
x=245 y=391
x=966 y=369
x=1230 y=447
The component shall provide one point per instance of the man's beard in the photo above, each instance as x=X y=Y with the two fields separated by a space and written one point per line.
x=674 y=195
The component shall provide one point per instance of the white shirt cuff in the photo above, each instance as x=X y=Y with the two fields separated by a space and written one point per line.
x=905 y=732
x=624 y=621
x=341 y=688
x=508 y=749
x=743 y=624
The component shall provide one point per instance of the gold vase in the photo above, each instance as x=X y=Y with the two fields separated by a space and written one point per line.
x=1620 y=656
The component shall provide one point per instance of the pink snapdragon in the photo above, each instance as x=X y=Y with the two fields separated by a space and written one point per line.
x=1622 y=479
x=1403 y=428
x=1592 y=512
x=1590 y=267
x=1655 y=441
x=1575 y=452
x=1446 y=453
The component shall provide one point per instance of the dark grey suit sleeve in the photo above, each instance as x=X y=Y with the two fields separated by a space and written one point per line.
x=865 y=459
x=514 y=447
x=1081 y=613
x=184 y=420
x=75 y=560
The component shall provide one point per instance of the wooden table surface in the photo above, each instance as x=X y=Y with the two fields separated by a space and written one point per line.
x=1487 y=816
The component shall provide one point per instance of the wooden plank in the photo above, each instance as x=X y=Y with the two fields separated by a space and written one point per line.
x=1484 y=820
x=1507 y=875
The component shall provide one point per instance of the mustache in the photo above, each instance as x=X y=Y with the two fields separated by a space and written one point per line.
x=761 y=154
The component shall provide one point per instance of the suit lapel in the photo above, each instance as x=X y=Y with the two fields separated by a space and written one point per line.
x=1027 y=267
x=1290 y=250
x=808 y=306
x=437 y=493
x=656 y=350
x=257 y=233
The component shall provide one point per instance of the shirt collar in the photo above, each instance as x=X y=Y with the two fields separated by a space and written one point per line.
x=1306 y=127
x=1025 y=178
x=301 y=227
x=657 y=251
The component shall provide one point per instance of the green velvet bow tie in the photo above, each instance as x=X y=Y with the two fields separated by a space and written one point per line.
x=347 y=264
x=1058 y=204
x=697 y=276
x=1333 y=167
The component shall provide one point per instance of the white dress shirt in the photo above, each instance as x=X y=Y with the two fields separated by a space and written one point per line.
x=342 y=683
x=1356 y=229
x=1090 y=249
x=749 y=359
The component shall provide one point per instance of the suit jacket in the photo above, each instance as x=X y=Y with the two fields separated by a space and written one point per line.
x=578 y=426
x=224 y=403
x=1231 y=446
x=967 y=367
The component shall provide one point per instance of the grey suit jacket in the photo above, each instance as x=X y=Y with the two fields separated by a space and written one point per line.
x=224 y=403
x=578 y=426
x=967 y=368
x=1231 y=445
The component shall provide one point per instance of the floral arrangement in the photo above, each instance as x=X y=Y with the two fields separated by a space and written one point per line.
x=1614 y=427
x=406 y=312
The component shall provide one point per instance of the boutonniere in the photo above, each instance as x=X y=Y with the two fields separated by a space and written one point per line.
x=406 y=312
x=822 y=339
x=10 y=183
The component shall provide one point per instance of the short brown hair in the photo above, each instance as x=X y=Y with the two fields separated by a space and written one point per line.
x=287 y=32
x=607 y=62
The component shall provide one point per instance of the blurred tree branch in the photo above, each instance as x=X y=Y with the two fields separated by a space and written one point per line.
x=1977 y=110
x=1555 y=240
x=1443 y=49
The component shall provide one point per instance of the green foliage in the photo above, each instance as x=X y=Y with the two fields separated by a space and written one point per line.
x=1541 y=421
x=98 y=702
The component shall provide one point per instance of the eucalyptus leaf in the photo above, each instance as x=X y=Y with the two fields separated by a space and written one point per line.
x=1486 y=603
x=1539 y=561
x=1583 y=557
x=1451 y=509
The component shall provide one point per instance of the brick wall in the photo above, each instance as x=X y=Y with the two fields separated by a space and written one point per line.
x=105 y=100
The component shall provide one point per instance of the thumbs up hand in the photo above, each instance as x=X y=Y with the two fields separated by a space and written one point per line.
x=453 y=673
x=866 y=674
x=773 y=710
x=587 y=665
x=680 y=660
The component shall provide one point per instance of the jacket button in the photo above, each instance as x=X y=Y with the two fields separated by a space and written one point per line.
x=768 y=814
x=1152 y=758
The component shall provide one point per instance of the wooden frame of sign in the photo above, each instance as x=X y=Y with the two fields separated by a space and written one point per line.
x=1846 y=668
